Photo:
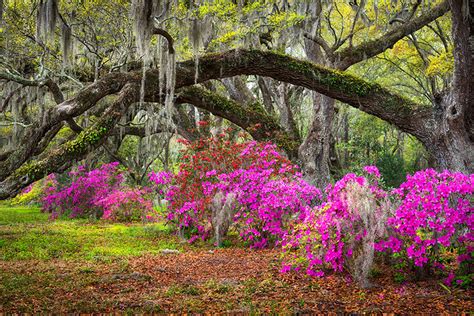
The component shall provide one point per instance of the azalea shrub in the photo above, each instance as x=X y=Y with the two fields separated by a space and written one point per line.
x=259 y=188
x=128 y=205
x=340 y=233
x=435 y=214
x=267 y=194
x=99 y=193
x=424 y=220
x=80 y=197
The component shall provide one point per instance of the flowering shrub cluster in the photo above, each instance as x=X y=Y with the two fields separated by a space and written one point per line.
x=265 y=188
x=342 y=230
x=252 y=188
x=428 y=212
x=128 y=205
x=79 y=199
x=267 y=194
x=97 y=193
x=435 y=212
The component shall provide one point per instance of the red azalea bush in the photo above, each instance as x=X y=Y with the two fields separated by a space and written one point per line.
x=267 y=195
x=258 y=188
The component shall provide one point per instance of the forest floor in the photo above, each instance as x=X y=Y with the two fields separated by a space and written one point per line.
x=83 y=266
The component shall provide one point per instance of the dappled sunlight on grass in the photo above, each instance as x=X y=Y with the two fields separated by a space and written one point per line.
x=25 y=233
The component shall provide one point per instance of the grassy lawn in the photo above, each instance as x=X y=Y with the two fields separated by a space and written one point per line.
x=83 y=266
x=26 y=233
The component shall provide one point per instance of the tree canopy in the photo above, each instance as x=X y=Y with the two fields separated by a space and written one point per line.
x=77 y=77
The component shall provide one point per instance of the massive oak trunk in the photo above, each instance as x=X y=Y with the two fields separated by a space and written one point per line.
x=314 y=152
x=452 y=141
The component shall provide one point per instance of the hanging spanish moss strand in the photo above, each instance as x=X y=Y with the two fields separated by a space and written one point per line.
x=51 y=16
x=170 y=87
x=143 y=13
x=46 y=18
x=161 y=65
x=1 y=10
x=376 y=12
x=96 y=68
x=39 y=20
x=15 y=110
x=41 y=104
x=66 y=42
x=195 y=34
x=143 y=81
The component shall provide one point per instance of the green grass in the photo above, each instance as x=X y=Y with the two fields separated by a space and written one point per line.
x=21 y=214
x=26 y=233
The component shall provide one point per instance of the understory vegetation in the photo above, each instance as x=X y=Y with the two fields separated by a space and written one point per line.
x=423 y=227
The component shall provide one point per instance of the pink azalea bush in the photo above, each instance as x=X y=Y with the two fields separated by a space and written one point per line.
x=127 y=205
x=430 y=212
x=265 y=200
x=435 y=212
x=79 y=199
x=99 y=193
x=340 y=232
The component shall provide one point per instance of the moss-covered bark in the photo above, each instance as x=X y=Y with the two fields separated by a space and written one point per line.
x=250 y=117
x=70 y=151
x=368 y=97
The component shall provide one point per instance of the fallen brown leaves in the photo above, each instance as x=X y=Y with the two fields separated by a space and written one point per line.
x=209 y=281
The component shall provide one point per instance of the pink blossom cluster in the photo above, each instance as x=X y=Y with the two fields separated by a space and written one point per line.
x=79 y=199
x=98 y=193
x=435 y=211
x=265 y=201
x=268 y=193
x=127 y=205
x=429 y=211
x=332 y=231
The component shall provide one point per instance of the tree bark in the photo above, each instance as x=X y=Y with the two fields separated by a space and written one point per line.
x=314 y=152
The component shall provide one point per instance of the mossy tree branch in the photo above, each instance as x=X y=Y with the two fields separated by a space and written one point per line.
x=368 y=97
x=73 y=150
x=250 y=117
x=355 y=54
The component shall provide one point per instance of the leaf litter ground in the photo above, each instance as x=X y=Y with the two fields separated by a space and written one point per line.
x=231 y=280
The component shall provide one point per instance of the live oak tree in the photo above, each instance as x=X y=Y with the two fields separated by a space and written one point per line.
x=109 y=80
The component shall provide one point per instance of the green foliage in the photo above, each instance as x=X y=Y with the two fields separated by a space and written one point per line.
x=441 y=65
x=29 y=197
x=371 y=141
x=392 y=169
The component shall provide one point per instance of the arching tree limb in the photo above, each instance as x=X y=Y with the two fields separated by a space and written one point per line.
x=352 y=55
x=73 y=150
x=368 y=97
x=251 y=117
